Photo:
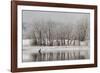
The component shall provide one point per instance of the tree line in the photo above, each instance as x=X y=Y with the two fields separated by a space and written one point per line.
x=50 y=33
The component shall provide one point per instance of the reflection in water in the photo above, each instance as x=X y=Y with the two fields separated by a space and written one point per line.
x=53 y=56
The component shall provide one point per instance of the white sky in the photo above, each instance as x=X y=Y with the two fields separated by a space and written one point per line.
x=32 y=16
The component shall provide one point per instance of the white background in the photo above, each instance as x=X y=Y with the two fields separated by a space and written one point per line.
x=5 y=41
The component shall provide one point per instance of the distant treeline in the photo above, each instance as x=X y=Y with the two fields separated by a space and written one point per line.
x=49 y=33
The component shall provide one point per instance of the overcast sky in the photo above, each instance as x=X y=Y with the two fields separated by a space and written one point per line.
x=65 y=17
x=30 y=17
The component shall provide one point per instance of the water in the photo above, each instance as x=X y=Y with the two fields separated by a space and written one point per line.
x=55 y=56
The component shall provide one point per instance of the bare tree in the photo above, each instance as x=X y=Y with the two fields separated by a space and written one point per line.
x=49 y=32
x=83 y=27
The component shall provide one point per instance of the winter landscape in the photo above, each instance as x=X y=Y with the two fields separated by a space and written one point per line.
x=55 y=36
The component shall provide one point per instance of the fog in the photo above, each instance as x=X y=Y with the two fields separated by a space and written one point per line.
x=65 y=17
